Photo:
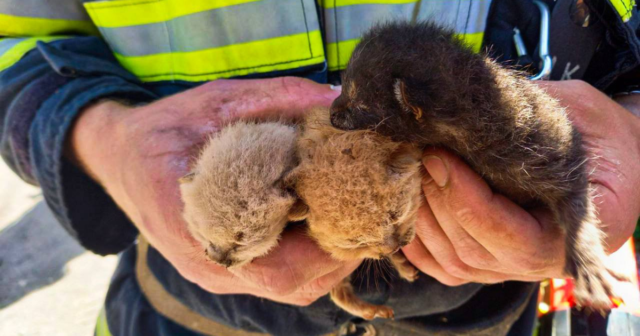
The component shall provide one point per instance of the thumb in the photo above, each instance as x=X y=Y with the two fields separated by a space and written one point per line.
x=283 y=97
x=452 y=177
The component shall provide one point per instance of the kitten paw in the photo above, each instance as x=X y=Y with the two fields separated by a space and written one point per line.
x=373 y=311
x=593 y=288
x=405 y=268
x=408 y=272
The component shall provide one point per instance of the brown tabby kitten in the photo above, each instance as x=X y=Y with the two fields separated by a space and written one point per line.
x=422 y=85
x=362 y=194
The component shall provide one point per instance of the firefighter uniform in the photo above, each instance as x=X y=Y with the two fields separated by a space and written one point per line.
x=56 y=57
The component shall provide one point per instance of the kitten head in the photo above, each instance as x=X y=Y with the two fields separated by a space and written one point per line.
x=402 y=79
x=362 y=190
x=236 y=201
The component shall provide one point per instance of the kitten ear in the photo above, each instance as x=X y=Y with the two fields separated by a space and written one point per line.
x=187 y=178
x=405 y=159
x=401 y=93
x=299 y=211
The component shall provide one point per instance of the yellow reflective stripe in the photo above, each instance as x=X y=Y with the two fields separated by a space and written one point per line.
x=13 y=55
x=338 y=54
x=281 y=53
x=474 y=40
x=123 y=13
x=340 y=3
x=102 y=328
x=624 y=8
x=11 y=25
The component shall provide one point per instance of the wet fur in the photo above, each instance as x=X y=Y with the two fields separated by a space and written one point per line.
x=420 y=84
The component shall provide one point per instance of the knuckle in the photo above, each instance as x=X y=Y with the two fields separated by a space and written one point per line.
x=456 y=268
x=466 y=217
x=578 y=84
x=291 y=84
x=530 y=264
x=476 y=260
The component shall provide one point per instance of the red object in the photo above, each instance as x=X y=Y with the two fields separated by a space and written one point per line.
x=557 y=294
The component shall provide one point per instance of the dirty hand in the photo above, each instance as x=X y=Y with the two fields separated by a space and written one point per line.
x=468 y=233
x=138 y=154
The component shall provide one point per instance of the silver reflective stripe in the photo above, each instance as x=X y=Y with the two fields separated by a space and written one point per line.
x=215 y=28
x=45 y=9
x=8 y=43
x=350 y=22
x=463 y=16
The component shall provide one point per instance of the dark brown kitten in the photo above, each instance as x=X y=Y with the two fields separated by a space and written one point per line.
x=420 y=84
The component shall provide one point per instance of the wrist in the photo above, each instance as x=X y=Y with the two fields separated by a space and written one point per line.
x=96 y=138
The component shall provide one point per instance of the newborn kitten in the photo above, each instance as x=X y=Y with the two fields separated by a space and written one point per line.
x=236 y=203
x=363 y=193
x=420 y=84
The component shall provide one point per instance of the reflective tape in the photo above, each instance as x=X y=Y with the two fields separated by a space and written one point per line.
x=210 y=29
x=124 y=13
x=624 y=8
x=277 y=54
x=11 y=25
x=41 y=18
x=211 y=44
x=12 y=49
x=347 y=20
x=463 y=16
x=58 y=9
x=350 y=22
x=102 y=328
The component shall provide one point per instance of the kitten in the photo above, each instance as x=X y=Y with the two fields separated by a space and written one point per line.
x=359 y=193
x=236 y=202
x=363 y=192
x=421 y=84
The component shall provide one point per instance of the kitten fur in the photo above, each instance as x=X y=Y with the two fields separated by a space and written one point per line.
x=420 y=84
x=236 y=203
x=363 y=193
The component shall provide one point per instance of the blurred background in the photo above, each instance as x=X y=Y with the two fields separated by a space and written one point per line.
x=49 y=285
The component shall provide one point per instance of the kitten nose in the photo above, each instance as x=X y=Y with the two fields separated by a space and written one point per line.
x=221 y=258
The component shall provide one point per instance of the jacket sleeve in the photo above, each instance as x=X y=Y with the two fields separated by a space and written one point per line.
x=42 y=90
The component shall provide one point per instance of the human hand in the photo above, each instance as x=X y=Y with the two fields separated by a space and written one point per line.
x=467 y=233
x=138 y=154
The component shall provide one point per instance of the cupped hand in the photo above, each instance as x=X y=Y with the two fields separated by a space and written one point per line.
x=468 y=233
x=139 y=153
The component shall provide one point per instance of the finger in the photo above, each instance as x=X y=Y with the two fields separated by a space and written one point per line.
x=420 y=257
x=440 y=247
x=503 y=228
x=467 y=248
x=283 y=97
x=294 y=263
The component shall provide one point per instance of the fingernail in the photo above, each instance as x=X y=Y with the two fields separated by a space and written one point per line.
x=336 y=87
x=437 y=169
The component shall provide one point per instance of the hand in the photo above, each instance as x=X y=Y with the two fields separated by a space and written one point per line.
x=138 y=154
x=467 y=233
